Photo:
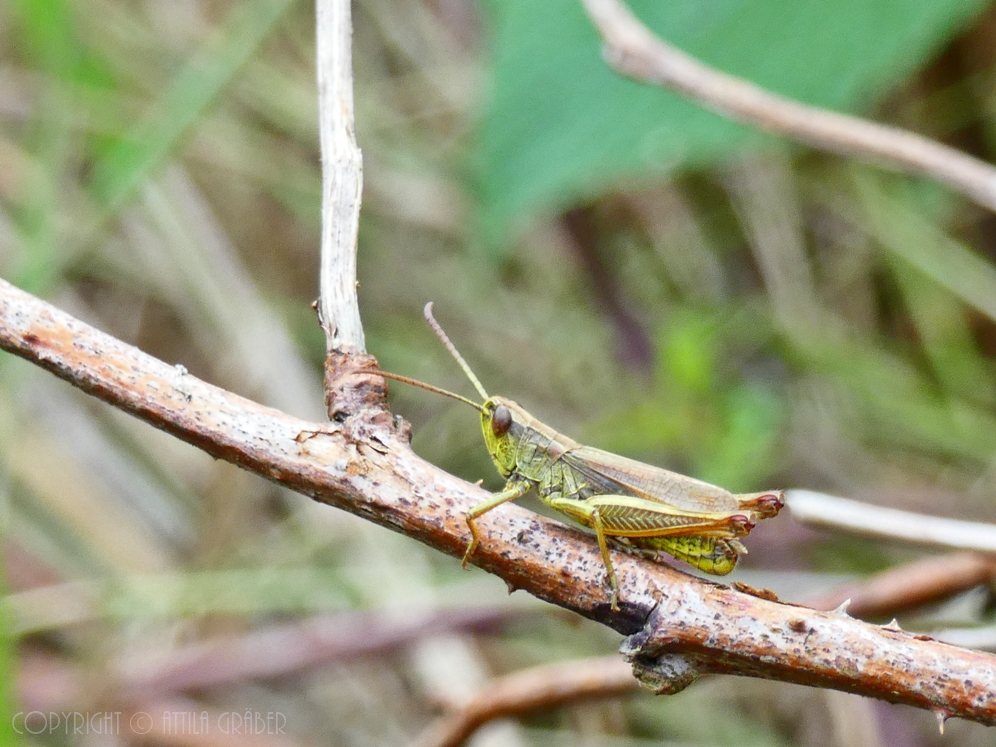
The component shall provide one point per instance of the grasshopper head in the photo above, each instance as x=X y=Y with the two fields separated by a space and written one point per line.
x=501 y=419
x=501 y=424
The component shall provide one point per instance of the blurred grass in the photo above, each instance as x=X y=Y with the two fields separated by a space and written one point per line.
x=781 y=319
x=8 y=668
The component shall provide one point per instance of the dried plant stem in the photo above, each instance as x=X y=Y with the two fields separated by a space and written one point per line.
x=679 y=626
x=633 y=50
x=342 y=179
x=531 y=690
x=831 y=512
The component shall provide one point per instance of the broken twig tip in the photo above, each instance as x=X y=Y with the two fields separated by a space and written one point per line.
x=842 y=608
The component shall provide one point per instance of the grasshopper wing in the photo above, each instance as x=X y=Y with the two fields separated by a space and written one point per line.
x=608 y=473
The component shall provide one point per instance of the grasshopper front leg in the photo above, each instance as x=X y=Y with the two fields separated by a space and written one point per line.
x=514 y=489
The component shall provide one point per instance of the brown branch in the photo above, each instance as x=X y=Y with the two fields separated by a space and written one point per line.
x=682 y=626
x=633 y=50
x=910 y=586
x=529 y=691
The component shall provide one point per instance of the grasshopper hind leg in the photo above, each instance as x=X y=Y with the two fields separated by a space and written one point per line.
x=603 y=546
x=588 y=515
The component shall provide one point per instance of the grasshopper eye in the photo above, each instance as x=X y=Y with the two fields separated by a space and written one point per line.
x=501 y=421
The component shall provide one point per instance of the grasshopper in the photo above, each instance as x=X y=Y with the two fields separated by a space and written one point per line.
x=644 y=507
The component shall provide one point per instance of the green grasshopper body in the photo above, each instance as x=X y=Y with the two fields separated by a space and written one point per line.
x=623 y=500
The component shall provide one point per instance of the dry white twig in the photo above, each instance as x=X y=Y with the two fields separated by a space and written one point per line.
x=633 y=50
x=342 y=177
x=831 y=512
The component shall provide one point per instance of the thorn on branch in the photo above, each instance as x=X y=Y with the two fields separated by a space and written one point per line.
x=942 y=717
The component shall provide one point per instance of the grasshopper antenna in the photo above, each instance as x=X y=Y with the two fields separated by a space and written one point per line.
x=427 y=312
x=421 y=385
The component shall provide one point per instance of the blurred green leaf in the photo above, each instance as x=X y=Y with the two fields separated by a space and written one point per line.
x=560 y=127
x=246 y=592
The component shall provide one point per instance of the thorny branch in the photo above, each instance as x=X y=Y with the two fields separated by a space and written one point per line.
x=633 y=50
x=911 y=586
x=679 y=626
x=551 y=685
